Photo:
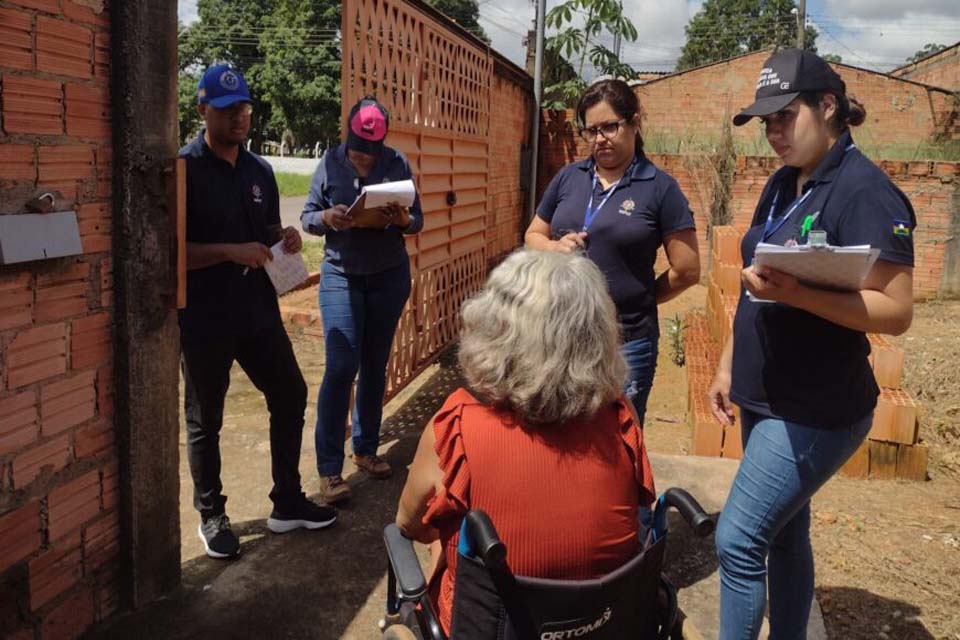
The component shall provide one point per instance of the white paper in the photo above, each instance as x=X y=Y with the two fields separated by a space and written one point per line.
x=286 y=270
x=841 y=268
x=401 y=192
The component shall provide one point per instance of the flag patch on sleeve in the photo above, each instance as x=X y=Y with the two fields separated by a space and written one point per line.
x=901 y=228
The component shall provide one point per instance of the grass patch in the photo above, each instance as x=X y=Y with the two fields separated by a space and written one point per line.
x=312 y=253
x=293 y=184
x=755 y=144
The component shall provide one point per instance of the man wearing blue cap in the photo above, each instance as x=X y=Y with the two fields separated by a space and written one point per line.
x=233 y=218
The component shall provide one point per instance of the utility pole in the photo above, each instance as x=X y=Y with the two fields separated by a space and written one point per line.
x=537 y=91
x=618 y=38
x=801 y=23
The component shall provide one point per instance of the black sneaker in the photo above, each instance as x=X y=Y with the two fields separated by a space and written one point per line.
x=303 y=514
x=219 y=541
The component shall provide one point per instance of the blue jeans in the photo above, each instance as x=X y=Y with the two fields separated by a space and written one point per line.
x=360 y=315
x=641 y=357
x=764 y=530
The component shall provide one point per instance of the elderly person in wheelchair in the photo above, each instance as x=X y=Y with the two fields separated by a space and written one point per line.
x=533 y=478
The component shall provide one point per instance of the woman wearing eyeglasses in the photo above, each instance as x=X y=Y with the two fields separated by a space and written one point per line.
x=618 y=208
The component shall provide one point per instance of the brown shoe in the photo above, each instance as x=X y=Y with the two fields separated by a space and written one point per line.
x=373 y=465
x=334 y=489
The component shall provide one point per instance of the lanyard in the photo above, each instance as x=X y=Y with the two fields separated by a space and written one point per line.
x=590 y=214
x=769 y=228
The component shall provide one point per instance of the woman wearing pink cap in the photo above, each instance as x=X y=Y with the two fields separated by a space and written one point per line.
x=364 y=284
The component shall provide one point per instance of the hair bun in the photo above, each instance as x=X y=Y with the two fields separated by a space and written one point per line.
x=856 y=114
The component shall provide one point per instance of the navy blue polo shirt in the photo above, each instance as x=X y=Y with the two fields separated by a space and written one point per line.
x=358 y=251
x=644 y=207
x=791 y=364
x=228 y=204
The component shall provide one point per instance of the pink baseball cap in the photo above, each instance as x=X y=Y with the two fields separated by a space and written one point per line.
x=368 y=123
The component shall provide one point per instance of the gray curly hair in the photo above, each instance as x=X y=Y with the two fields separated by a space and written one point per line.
x=541 y=339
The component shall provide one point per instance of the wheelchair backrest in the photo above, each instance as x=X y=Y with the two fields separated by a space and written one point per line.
x=492 y=604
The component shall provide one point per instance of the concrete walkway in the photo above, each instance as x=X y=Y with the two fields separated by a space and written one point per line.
x=691 y=563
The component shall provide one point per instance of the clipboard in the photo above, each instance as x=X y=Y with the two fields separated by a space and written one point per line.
x=824 y=267
x=365 y=218
x=402 y=192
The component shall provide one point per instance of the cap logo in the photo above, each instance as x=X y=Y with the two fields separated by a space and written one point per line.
x=229 y=81
x=768 y=77
x=785 y=86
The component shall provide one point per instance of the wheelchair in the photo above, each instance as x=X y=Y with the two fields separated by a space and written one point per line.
x=634 y=602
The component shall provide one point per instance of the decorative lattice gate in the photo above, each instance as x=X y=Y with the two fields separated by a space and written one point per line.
x=437 y=87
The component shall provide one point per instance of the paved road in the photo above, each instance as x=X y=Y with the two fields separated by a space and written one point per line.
x=290 y=209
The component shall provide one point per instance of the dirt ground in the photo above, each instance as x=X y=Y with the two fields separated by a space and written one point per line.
x=888 y=552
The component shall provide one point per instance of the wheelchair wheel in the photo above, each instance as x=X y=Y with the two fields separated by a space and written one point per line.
x=399 y=632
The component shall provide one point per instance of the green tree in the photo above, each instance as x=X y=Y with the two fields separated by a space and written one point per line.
x=928 y=50
x=229 y=31
x=726 y=28
x=466 y=13
x=579 y=44
x=301 y=71
x=289 y=52
x=831 y=57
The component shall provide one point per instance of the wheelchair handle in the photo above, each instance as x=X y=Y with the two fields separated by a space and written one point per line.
x=701 y=523
x=486 y=541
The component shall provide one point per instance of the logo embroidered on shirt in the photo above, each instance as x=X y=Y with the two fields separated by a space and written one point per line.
x=901 y=228
x=257 y=194
x=627 y=207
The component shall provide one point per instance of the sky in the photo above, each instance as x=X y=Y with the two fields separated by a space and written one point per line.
x=874 y=34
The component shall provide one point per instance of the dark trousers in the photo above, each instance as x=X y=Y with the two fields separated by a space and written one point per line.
x=268 y=360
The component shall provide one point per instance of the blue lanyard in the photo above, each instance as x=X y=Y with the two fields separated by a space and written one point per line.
x=769 y=228
x=590 y=214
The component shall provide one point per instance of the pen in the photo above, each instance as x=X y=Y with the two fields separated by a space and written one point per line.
x=808 y=223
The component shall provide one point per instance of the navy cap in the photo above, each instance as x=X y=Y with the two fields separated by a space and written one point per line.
x=221 y=86
x=785 y=75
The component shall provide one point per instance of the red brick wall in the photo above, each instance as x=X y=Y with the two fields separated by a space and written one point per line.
x=58 y=463
x=691 y=107
x=940 y=70
x=931 y=186
x=510 y=112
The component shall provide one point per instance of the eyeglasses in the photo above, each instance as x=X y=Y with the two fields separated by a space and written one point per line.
x=608 y=129
x=237 y=110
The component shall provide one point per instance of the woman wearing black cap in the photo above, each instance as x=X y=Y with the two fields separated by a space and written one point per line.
x=364 y=285
x=798 y=368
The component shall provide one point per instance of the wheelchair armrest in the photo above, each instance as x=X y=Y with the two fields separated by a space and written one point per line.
x=403 y=560
x=690 y=509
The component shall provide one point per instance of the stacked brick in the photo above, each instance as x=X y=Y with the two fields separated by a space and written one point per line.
x=704 y=339
x=59 y=474
x=892 y=449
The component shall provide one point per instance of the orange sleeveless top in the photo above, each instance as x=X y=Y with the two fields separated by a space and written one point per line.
x=563 y=499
